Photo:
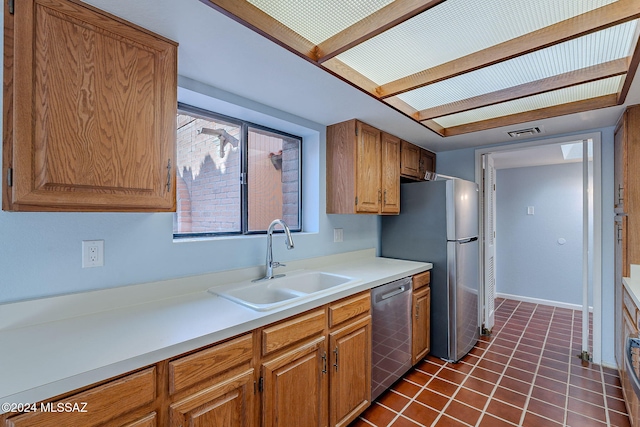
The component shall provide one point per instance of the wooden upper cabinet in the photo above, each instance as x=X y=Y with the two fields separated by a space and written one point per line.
x=410 y=160
x=390 y=174
x=368 y=157
x=620 y=162
x=90 y=105
x=361 y=164
x=415 y=162
x=427 y=162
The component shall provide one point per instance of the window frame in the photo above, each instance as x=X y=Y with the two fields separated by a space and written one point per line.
x=244 y=176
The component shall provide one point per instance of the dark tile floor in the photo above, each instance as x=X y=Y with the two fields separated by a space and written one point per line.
x=526 y=374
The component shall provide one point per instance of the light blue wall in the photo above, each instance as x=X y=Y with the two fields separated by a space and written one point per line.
x=529 y=260
x=40 y=253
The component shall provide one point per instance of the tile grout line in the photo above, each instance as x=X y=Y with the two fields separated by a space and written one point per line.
x=535 y=373
x=502 y=374
x=566 y=399
x=604 y=397
x=468 y=374
x=413 y=399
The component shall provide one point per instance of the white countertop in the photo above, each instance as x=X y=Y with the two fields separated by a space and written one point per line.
x=632 y=283
x=54 y=345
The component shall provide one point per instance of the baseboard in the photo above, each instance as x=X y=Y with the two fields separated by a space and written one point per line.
x=543 y=301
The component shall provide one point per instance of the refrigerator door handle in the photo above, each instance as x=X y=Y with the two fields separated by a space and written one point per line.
x=470 y=239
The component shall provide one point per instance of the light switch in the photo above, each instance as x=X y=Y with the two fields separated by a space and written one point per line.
x=530 y=210
x=337 y=235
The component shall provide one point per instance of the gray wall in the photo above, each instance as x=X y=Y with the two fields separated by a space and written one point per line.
x=529 y=260
x=40 y=253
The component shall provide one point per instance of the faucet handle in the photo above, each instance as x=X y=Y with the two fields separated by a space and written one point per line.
x=277 y=264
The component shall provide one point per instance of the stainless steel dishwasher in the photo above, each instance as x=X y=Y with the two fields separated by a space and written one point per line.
x=391 y=334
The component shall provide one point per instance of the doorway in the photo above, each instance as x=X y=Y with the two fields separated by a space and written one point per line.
x=546 y=169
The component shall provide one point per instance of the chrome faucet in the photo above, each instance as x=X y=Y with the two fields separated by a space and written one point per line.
x=270 y=263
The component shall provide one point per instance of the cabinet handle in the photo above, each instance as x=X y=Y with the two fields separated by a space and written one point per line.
x=335 y=351
x=169 y=175
x=379 y=195
x=324 y=362
x=385 y=197
x=417 y=311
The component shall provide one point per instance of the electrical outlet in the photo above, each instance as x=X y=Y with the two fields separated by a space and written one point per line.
x=337 y=234
x=92 y=253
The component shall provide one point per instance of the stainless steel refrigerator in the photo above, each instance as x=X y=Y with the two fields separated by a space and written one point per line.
x=438 y=223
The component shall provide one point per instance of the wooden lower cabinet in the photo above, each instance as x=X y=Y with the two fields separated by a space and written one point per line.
x=228 y=404
x=313 y=369
x=421 y=330
x=350 y=368
x=294 y=387
x=114 y=403
x=421 y=317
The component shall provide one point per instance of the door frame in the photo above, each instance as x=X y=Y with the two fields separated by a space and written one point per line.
x=596 y=137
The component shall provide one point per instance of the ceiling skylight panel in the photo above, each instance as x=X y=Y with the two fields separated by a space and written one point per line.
x=453 y=29
x=318 y=20
x=563 y=96
x=596 y=48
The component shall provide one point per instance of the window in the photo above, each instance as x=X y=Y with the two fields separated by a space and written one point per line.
x=234 y=177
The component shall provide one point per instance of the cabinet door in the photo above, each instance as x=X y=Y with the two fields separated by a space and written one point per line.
x=410 y=160
x=620 y=163
x=229 y=404
x=633 y=404
x=421 y=327
x=94 y=111
x=390 y=174
x=368 y=191
x=350 y=381
x=427 y=163
x=295 y=387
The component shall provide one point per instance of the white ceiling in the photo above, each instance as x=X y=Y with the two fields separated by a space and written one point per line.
x=220 y=52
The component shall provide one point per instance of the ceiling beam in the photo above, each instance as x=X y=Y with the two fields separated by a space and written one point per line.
x=598 y=19
x=378 y=22
x=399 y=104
x=347 y=73
x=540 y=114
x=561 y=81
x=254 y=18
x=631 y=73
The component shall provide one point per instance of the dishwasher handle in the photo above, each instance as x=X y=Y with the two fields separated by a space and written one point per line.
x=393 y=293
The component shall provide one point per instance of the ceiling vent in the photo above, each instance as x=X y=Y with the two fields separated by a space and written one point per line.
x=524 y=132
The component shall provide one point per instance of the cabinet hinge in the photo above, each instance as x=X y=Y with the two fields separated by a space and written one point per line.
x=11 y=7
x=9 y=177
x=243 y=178
x=261 y=384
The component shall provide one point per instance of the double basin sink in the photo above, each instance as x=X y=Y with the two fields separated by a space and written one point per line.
x=280 y=291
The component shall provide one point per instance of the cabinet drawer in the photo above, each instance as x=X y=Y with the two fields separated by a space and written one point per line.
x=148 y=421
x=421 y=279
x=349 y=308
x=291 y=331
x=192 y=369
x=103 y=403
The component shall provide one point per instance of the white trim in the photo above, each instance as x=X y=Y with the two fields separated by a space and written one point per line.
x=597 y=218
x=552 y=303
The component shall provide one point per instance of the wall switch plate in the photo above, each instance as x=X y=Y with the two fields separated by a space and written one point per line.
x=92 y=253
x=338 y=234
x=530 y=210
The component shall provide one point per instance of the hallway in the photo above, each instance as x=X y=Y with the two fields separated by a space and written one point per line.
x=527 y=374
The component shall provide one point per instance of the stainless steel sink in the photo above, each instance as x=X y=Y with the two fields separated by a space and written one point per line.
x=280 y=291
